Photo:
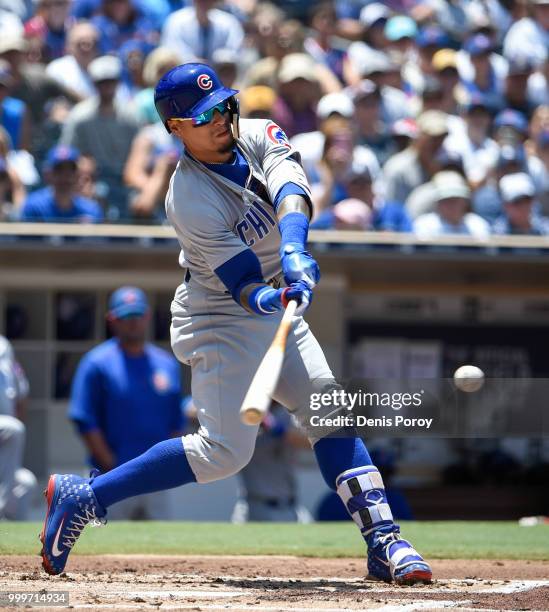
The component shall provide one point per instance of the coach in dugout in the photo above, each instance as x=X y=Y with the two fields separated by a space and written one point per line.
x=126 y=397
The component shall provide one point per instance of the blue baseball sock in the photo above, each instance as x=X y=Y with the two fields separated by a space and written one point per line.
x=337 y=455
x=163 y=466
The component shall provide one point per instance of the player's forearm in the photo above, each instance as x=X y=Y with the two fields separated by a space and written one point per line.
x=99 y=450
x=293 y=203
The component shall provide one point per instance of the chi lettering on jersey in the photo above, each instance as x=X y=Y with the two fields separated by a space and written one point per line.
x=257 y=223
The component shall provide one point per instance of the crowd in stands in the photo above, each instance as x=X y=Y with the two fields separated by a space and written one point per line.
x=430 y=116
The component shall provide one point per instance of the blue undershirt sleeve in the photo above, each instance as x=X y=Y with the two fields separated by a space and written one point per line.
x=239 y=271
x=286 y=190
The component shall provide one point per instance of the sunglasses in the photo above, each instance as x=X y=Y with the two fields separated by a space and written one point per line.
x=207 y=116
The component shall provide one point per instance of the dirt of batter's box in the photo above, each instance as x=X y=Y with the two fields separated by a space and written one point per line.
x=282 y=566
x=277 y=583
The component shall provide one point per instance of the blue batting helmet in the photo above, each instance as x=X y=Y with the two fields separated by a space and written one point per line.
x=188 y=90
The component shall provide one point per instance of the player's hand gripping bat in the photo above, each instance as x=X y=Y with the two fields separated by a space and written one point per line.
x=259 y=396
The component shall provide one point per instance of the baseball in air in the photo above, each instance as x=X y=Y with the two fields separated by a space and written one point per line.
x=469 y=378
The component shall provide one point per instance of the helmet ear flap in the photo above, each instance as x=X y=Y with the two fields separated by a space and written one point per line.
x=234 y=109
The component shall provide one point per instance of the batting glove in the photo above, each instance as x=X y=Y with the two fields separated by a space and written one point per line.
x=301 y=293
x=267 y=300
x=299 y=265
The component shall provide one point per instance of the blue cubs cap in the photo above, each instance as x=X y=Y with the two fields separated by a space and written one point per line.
x=511 y=118
x=478 y=44
x=400 y=26
x=432 y=36
x=128 y=302
x=189 y=90
x=60 y=154
x=477 y=99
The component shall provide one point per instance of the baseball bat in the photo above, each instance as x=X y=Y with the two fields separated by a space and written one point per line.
x=259 y=395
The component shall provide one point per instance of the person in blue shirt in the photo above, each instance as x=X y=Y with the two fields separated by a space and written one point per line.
x=59 y=201
x=119 y=21
x=126 y=397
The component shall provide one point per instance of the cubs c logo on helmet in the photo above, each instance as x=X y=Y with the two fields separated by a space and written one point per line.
x=276 y=135
x=204 y=81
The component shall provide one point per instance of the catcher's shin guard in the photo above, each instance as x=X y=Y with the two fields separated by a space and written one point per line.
x=389 y=556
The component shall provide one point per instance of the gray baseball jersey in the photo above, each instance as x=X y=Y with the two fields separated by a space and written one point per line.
x=215 y=219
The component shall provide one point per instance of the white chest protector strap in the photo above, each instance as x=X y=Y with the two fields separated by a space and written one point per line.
x=363 y=493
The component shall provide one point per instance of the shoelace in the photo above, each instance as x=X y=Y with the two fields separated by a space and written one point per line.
x=392 y=536
x=78 y=523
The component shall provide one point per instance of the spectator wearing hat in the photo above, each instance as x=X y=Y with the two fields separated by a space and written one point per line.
x=372 y=19
x=423 y=199
x=60 y=201
x=510 y=127
x=197 y=31
x=400 y=32
x=386 y=76
x=487 y=198
x=481 y=70
x=132 y=54
x=432 y=94
x=158 y=62
x=472 y=141
x=299 y=92
x=119 y=21
x=14 y=115
x=104 y=129
x=320 y=45
x=31 y=84
x=257 y=102
x=530 y=35
x=126 y=397
x=334 y=112
x=414 y=166
x=516 y=91
x=371 y=131
x=452 y=214
x=444 y=67
x=517 y=194
x=71 y=70
x=403 y=132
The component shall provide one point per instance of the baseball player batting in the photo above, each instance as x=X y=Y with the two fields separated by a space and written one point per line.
x=240 y=205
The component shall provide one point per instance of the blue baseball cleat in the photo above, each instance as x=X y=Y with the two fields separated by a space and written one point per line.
x=392 y=558
x=71 y=506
